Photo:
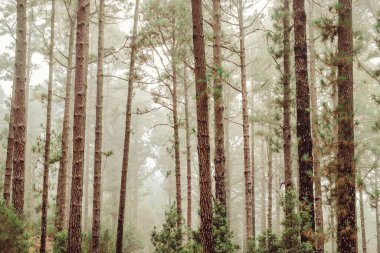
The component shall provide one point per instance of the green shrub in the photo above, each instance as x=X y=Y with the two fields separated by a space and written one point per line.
x=13 y=237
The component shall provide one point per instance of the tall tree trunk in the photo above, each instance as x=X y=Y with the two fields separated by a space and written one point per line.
x=270 y=180
x=362 y=220
x=124 y=169
x=345 y=183
x=206 y=236
x=96 y=206
x=83 y=13
x=247 y=168
x=227 y=154
x=9 y=159
x=287 y=136
x=253 y=166
x=86 y=168
x=263 y=190
x=314 y=130
x=45 y=187
x=63 y=162
x=188 y=153
x=19 y=127
x=219 y=158
x=176 y=145
x=305 y=144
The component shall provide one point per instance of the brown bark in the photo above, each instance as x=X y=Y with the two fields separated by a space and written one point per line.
x=45 y=187
x=247 y=168
x=124 y=169
x=9 y=159
x=188 y=153
x=219 y=157
x=63 y=162
x=314 y=131
x=74 y=238
x=362 y=220
x=86 y=167
x=253 y=167
x=305 y=145
x=345 y=182
x=206 y=236
x=270 y=181
x=286 y=134
x=19 y=126
x=96 y=206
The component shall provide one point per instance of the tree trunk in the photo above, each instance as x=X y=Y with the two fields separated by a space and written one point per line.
x=176 y=145
x=219 y=158
x=206 y=236
x=253 y=167
x=74 y=238
x=124 y=169
x=305 y=145
x=270 y=180
x=86 y=168
x=19 y=127
x=247 y=169
x=345 y=183
x=188 y=153
x=227 y=154
x=63 y=162
x=96 y=206
x=314 y=130
x=45 y=188
x=263 y=190
x=362 y=221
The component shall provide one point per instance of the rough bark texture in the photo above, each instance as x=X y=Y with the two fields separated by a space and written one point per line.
x=188 y=154
x=253 y=166
x=219 y=157
x=75 y=236
x=9 y=159
x=206 y=236
x=247 y=165
x=270 y=182
x=124 y=169
x=345 y=182
x=305 y=145
x=63 y=162
x=314 y=130
x=96 y=206
x=45 y=185
x=19 y=125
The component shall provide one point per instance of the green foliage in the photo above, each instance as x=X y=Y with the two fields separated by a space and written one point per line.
x=60 y=242
x=268 y=242
x=170 y=238
x=13 y=237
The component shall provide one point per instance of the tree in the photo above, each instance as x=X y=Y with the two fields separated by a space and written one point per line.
x=206 y=237
x=305 y=145
x=45 y=190
x=98 y=135
x=63 y=162
x=345 y=181
x=81 y=65
x=244 y=94
x=124 y=169
x=19 y=127
x=219 y=158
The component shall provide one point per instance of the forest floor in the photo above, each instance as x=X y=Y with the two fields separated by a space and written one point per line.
x=35 y=244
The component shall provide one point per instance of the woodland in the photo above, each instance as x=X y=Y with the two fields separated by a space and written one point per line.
x=175 y=126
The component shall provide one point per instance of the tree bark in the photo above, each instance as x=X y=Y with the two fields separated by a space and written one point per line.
x=219 y=157
x=270 y=181
x=188 y=153
x=320 y=240
x=253 y=167
x=206 y=236
x=124 y=169
x=227 y=154
x=96 y=206
x=45 y=188
x=345 y=183
x=63 y=162
x=74 y=238
x=247 y=168
x=362 y=220
x=19 y=126
x=305 y=145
